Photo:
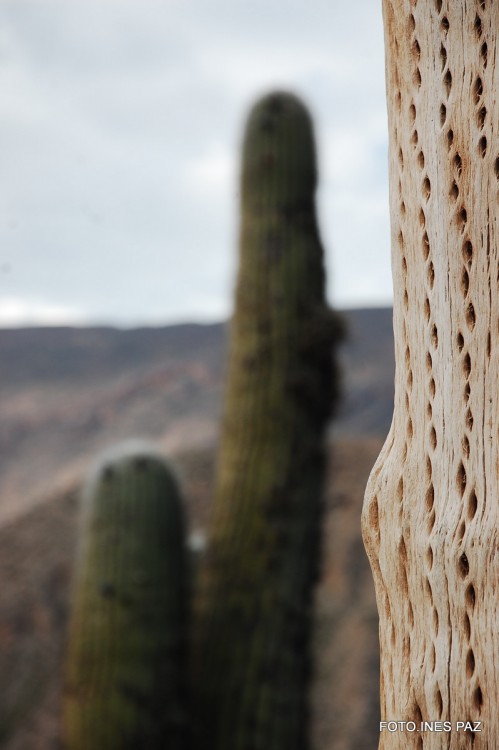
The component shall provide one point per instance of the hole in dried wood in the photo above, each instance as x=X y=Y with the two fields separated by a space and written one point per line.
x=412 y=23
x=483 y=54
x=467 y=251
x=467 y=627
x=480 y=117
x=429 y=469
x=470 y=316
x=470 y=596
x=421 y=160
x=431 y=521
x=412 y=113
x=434 y=335
x=435 y=621
x=427 y=308
x=426 y=246
x=489 y=345
x=478 y=26
x=466 y=446
x=472 y=505
x=460 y=341
x=461 y=479
x=462 y=218
x=454 y=191
x=478 y=698
x=439 y=702
x=431 y=274
x=467 y=365
x=429 y=557
x=430 y=498
x=432 y=388
x=450 y=138
x=467 y=391
x=458 y=164
x=469 y=420
x=426 y=188
x=433 y=438
x=470 y=663
x=465 y=282
x=443 y=115
x=448 y=82
x=443 y=56
x=464 y=566
x=477 y=89
x=414 y=137
x=444 y=23
x=482 y=146
x=416 y=50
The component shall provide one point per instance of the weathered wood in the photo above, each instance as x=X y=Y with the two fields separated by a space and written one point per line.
x=431 y=508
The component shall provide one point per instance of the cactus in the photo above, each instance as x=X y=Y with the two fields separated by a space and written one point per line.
x=251 y=659
x=126 y=657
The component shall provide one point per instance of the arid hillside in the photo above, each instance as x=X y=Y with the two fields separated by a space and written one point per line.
x=68 y=393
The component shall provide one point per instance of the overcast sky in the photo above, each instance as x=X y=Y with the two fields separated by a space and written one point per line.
x=121 y=124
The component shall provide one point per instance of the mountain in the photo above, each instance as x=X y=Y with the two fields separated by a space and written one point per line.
x=66 y=393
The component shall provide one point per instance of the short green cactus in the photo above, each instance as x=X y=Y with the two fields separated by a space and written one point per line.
x=126 y=658
x=251 y=660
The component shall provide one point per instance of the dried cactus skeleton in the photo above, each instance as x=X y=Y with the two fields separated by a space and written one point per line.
x=431 y=513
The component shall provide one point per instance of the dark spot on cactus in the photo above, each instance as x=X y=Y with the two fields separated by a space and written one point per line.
x=276 y=103
x=141 y=463
x=268 y=160
x=267 y=124
x=107 y=473
x=135 y=695
x=107 y=590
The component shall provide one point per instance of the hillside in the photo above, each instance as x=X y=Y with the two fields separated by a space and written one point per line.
x=66 y=393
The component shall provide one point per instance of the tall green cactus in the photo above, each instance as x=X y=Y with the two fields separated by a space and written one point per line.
x=126 y=658
x=251 y=660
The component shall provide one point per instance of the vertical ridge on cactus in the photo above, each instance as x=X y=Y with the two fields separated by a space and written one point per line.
x=125 y=683
x=251 y=659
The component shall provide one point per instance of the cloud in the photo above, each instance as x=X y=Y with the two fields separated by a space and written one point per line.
x=120 y=130
x=24 y=312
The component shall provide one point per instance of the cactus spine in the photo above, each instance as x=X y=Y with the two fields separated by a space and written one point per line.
x=125 y=669
x=254 y=601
